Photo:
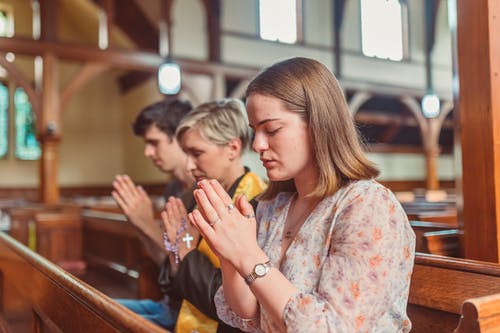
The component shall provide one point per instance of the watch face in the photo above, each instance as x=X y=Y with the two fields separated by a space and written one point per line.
x=260 y=270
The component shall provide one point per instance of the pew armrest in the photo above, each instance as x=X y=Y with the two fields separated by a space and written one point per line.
x=481 y=314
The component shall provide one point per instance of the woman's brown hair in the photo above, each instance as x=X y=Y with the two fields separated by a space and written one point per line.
x=306 y=86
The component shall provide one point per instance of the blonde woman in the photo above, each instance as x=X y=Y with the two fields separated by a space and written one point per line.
x=332 y=249
x=213 y=136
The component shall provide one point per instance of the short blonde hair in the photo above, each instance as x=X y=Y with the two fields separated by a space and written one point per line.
x=218 y=122
x=307 y=87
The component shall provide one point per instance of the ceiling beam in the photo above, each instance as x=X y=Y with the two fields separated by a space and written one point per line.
x=382 y=118
x=121 y=59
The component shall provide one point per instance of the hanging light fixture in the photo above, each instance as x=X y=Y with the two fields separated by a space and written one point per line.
x=169 y=77
x=431 y=105
x=169 y=73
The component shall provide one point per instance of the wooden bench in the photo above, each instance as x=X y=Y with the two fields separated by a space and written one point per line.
x=53 y=300
x=422 y=227
x=111 y=243
x=444 y=242
x=451 y=293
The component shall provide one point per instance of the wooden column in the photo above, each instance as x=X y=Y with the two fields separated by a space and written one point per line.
x=431 y=157
x=478 y=44
x=50 y=131
x=213 y=17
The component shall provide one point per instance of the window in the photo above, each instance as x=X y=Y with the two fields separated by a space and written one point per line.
x=27 y=147
x=278 y=20
x=6 y=21
x=4 y=120
x=382 y=29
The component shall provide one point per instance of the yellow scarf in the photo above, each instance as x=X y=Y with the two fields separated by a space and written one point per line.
x=190 y=318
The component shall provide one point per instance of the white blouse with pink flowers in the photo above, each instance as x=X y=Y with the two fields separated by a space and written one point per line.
x=352 y=261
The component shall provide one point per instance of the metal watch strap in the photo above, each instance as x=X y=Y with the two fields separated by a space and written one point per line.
x=250 y=278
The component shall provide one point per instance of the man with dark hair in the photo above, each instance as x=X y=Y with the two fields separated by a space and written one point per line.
x=156 y=124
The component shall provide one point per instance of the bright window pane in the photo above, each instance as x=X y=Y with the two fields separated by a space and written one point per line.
x=381 y=29
x=27 y=147
x=278 y=20
x=4 y=23
x=4 y=120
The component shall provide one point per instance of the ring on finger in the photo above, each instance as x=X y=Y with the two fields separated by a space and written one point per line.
x=215 y=222
x=230 y=207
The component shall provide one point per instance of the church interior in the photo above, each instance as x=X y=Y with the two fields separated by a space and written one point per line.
x=421 y=78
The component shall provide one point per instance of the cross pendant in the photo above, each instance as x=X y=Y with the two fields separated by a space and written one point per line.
x=187 y=239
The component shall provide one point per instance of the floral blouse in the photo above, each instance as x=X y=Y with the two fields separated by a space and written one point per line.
x=352 y=261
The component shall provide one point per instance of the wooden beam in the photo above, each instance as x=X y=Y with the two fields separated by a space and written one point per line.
x=213 y=21
x=122 y=59
x=385 y=148
x=48 y=13
x=85 y=74
x=133 y=79
x=130 y=19
x=382 y=118
x=478 y=41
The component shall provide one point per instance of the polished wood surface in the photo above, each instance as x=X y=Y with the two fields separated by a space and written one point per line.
x=422 y=227
x=444 y=242
x=57 y=301
x=111 y=243
x=59 y=236
x=478 y=40
x=480 y=314
x=440 y=286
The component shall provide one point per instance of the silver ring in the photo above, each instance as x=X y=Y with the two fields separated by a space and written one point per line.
x=215 y=222
x=249 y=216
x=230 y=207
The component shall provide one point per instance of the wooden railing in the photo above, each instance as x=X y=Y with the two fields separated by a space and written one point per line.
x=54 y=300
x=110 y=242
x=454 y=295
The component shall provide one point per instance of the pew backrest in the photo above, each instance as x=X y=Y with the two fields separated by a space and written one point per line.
x=112 y=243
x=422 y=227
x=58 y=302
x=444 y=242
x=441 y=286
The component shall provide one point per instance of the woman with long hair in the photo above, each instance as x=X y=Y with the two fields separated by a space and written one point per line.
x=329 y=249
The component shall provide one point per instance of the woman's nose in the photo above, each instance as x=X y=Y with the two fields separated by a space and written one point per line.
x=190 y=165
x=259 y=143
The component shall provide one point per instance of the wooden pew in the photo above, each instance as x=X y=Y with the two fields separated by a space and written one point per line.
x=422 y=227
x=56 y=301
x=451 y=293
x=22 y=218
x=54 y=231
x=111 y=243
x=447 y=217
x=59 y=238
x=444 y=242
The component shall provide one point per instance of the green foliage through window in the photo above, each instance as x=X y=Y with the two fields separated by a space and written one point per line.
x=27 y=146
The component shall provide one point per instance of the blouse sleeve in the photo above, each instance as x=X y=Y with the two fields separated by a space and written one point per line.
x=228 y=316
x=365 y=277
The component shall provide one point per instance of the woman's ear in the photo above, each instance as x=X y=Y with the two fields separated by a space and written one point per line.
x=234 y=148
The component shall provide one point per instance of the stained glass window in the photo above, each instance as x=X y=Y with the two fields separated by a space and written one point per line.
x=27 y=146
x=4 y=120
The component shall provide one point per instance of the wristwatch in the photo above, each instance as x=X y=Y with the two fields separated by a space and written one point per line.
x=260 y=270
